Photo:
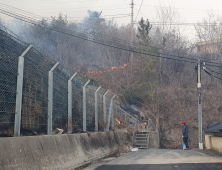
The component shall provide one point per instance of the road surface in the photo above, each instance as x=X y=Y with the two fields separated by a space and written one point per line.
x=163 y=159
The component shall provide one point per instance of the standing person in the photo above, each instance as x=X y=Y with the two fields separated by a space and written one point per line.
x=185 y=134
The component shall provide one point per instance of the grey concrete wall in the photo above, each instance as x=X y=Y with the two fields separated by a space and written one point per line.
x=56 y=151
x=154 y=139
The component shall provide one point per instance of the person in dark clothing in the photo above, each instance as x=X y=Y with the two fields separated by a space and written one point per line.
x=185 y=134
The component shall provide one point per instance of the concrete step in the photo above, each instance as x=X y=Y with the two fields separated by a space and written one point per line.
x=141 y=140
x=141 y=134
x=142 y=147
x=141 y=137
x=141 y=144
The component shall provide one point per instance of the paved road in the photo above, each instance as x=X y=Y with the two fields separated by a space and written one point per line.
x=213 y=166
x=164 y=159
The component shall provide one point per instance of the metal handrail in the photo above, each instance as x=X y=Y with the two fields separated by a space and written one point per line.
x=148 y=129
x=134 y=131
x=147 y=134
x=126 y=112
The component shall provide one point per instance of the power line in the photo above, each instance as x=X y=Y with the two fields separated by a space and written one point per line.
x=103 y=16
x=23 y=1
x=49 y=19
x=139 y=9
x=40 y=17
x=187 y=24
x=108 y=45
x=111 y=38
x=98 y=42
x=36 y=22
x=83 y=7
x=214 y=71
x=184 y=8
x=213 y=64
x=211 y=73
x=154 y=47
x=119 y=15
x=73 y=11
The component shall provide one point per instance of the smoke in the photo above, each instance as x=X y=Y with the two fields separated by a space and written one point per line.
x=16 y=26
x=92 y=20
x=74 y=52
x=134 y=108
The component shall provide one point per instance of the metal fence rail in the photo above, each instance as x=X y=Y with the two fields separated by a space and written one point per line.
x=38 y=95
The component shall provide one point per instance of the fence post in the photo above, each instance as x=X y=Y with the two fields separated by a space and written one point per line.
x=113 y=121
x=19 y=90
x=50 y=99
x=96 y=110
x=110 y=112
x=70 y=103
x=104 y=109
x=84 y=105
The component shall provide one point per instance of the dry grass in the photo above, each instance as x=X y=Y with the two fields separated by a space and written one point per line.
x=119 y=151
x=88 y=133
x=115 y=153
x=10 y=133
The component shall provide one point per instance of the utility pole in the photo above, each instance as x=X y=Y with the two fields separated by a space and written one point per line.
x=132 y=6
x=199 y=105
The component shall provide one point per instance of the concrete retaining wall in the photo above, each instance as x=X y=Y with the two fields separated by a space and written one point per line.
x=154 y=139
x=56 y=151
x=213 y=142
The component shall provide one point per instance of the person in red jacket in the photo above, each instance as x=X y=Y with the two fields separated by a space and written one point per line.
x=185 y=134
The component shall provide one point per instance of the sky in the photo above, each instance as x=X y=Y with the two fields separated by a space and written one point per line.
x=191 y=11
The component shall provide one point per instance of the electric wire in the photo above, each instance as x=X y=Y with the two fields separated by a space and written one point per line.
x=72 y=9
x=139 y=9
x=133 y=43
x=120 y=48
x=75 y=28
x=219 y=65
x=54 y=1
x=48 y=19
x=38 y=16
x=211 y=74
x=93 y=32
x=214 y=71
x=183 y=8
x=101 y=35
x=154 y=55
x=24 y=18
x=102 y=43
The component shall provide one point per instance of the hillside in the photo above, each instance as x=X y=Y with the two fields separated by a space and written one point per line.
x=159 y=81
x=175 y=101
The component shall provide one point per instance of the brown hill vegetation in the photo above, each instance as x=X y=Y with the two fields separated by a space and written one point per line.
x=160 y=88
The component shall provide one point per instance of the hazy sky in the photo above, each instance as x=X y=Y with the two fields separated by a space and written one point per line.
x=190 y=10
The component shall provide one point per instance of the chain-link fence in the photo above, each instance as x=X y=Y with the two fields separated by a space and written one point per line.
x=27 y=69
x=9 y=51
x=35 y=93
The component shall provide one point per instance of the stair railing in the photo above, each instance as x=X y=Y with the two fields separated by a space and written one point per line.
x=134 y=131
x=148 y=133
